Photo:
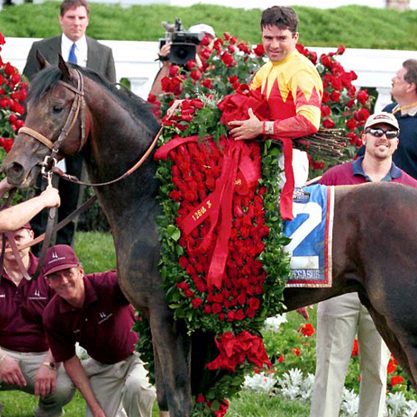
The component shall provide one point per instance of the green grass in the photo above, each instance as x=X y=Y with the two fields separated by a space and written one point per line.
x=249 y=404
x=385 y=28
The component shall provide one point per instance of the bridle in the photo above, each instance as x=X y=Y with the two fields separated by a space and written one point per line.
x=77 y=108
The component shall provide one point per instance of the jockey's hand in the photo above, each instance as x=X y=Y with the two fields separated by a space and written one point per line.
x=50 y=197
x=246 y=129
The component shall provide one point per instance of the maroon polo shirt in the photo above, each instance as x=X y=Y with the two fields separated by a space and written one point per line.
x=103 y=326
x=352 y=173
x=21 y=309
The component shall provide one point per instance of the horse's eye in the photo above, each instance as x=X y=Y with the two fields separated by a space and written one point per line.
x=57 y=109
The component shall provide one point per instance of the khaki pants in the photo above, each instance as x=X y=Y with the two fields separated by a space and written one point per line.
x=122 y=385
x=51 y=405
x=338 y=321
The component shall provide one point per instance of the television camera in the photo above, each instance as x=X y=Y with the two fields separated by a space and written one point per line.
x=183 y=43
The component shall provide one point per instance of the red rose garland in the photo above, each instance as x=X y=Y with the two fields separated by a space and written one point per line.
x=222 y=249
x=12 y=97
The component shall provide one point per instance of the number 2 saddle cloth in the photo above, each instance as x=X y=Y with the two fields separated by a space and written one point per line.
x=311 y=237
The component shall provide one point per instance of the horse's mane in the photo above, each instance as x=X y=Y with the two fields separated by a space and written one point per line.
x=136 y=106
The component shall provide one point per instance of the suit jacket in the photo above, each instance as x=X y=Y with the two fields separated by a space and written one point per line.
x=99 y=57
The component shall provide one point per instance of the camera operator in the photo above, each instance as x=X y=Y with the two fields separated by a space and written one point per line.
x=207 y=36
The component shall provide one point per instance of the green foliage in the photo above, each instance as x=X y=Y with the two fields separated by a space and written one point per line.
x=385 y=29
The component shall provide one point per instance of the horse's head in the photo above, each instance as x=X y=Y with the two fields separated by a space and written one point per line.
x=55 y=122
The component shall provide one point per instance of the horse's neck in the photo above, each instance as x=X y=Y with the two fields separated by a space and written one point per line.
x=116 y=139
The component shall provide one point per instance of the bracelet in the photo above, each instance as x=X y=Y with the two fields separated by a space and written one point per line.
x=163 y=58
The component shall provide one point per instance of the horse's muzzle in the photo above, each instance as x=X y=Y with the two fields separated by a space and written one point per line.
x=18 y=176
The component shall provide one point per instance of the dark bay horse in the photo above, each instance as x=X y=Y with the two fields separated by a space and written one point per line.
x=374 y=239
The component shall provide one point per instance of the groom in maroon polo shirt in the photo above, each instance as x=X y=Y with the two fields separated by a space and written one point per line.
x=92 y=310
x=26 y=364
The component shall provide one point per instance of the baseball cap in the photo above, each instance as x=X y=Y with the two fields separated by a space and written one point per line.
x=382 y=117
x=26 y=226
x=59 y=257
x=202 y=27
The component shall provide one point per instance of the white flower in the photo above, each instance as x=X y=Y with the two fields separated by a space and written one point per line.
x=350 y=403
x=290 y=384
x=307 y=387
x=273 y=323
x=411 y=408
x=397 y=405
x=260 y=382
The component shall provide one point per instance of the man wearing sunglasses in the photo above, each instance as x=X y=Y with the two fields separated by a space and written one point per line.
x=341 y=319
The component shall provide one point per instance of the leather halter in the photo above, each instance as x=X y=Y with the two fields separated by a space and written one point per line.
x=78 y=106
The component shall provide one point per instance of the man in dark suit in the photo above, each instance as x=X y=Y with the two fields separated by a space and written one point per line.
x=77 y=48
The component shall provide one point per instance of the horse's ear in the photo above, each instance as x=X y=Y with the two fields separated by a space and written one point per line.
x=43 y=63
x=62 y=65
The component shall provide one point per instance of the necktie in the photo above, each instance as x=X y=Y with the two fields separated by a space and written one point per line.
x=72 y=58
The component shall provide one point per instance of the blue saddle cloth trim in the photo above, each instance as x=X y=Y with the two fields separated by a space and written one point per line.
x=310 y=234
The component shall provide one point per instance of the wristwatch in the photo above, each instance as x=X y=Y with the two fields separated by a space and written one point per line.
x=50 y=365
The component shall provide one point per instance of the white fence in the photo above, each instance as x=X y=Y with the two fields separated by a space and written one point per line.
x=136 y=61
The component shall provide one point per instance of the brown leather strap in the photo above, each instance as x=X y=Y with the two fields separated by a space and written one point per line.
x=130 y=171
x=36 y=135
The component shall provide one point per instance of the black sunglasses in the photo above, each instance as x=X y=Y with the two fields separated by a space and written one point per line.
x=379 y=132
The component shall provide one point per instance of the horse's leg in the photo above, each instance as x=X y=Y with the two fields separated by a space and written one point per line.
x=159 y=382
x=172 y=346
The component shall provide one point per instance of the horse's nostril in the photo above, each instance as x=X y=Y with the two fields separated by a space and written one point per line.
x=15 y=173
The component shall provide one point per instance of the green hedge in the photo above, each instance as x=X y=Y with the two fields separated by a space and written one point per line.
x=352 y=26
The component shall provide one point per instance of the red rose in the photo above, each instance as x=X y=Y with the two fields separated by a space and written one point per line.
x=4 y=102
x=355 y=349
x=259 y=50
x=396 y=380
x=392 y=365
x=307 y=329
x=196 y=302
x=243 y=47
x=340 y=50
x=325 y=111
x=173 y=70
x=362 y=96
x=351 y=124
x=191 y=64
x=227 y=59
x=296 y=351
x=328 y=123
x=195 y=75
x=207 y=83
x=281 y=358
x=335 y=96
x=9 y=69
x=6 y=143
x=15 y=78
